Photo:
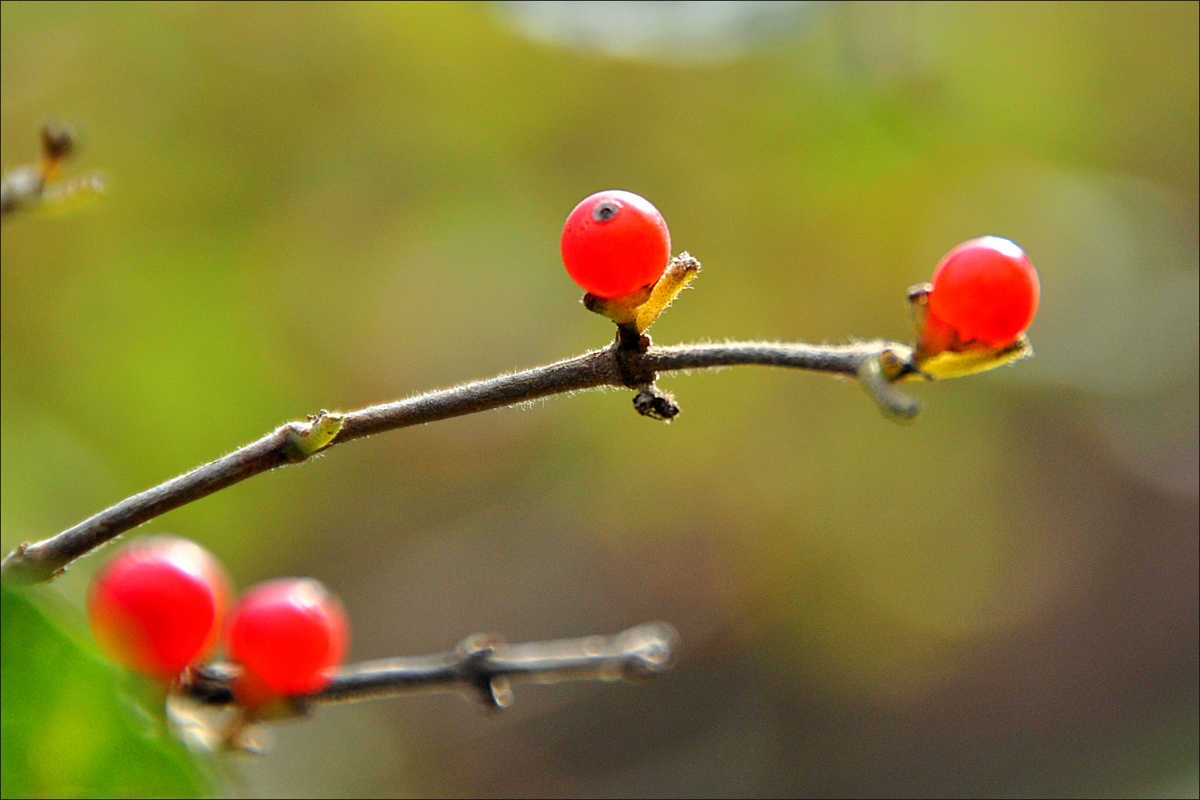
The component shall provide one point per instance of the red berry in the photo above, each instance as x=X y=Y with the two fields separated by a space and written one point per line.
x=289 y=636
x=985 y=290
x=156 y=606
x=614 y=243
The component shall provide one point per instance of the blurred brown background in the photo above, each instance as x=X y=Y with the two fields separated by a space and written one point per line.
x=326 y=206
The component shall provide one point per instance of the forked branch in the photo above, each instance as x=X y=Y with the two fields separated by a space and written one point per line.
x=629 y=364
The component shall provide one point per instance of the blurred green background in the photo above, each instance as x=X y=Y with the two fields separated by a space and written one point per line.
x=327 y=206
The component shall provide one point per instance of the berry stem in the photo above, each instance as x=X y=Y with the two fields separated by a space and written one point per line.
x=679 y=273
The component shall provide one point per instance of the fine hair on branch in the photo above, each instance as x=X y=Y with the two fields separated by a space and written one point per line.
x=630 y=362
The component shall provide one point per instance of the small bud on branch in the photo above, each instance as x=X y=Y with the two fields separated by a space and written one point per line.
x=33 y=186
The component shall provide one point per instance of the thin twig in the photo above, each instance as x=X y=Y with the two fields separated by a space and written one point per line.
x=635 y=366
x=482 y=668
x=32 y=186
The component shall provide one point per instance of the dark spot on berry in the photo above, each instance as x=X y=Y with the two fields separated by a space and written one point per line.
x=604 y=211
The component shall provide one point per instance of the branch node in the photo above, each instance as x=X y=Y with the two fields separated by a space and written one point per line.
x=28 y=564
x=630 y=340
x=629 y=348
x=493 y=692
x=656 y=404
x=900 y=364
x=499 y=693
x=651 y=649
x=306 y=438
x=479 y=645
x=895 y=405
x=19 y=569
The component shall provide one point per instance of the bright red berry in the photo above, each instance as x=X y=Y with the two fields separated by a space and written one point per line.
x=156 y=606
x=614 y=243
x=984 y=290
x=288 y=636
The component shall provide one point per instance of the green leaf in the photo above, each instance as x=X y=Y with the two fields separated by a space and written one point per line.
x=69 y=724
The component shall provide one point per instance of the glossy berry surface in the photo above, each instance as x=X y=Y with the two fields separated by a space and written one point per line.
x=614 y=243
x=985 y=290
x=156 y=606
x=288 y=636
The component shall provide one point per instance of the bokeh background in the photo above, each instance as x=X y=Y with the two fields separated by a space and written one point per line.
x=327 y=206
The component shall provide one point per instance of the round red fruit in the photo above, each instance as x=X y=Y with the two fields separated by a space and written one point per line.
x=614 y=243
x=986 y=290
x=289 y=636
x=156 y=606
